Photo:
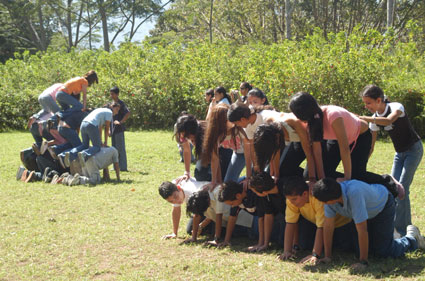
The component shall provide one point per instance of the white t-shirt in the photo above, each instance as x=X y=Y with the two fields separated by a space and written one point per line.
x=394 y=107
x=189 y=187
x=261 y=119
x=217 y=207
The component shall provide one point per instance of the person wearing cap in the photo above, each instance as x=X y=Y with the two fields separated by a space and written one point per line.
x=117 y=128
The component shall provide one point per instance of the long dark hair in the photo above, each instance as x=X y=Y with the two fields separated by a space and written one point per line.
x=268 y=140
x=255 y=92
x=216 y=132
x=305 y=107
x=187 y=124
x=374 y=92
x=222 y=90
x=239 y=110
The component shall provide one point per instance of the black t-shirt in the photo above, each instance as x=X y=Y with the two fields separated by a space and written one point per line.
x=249 y=204
x=115 y=129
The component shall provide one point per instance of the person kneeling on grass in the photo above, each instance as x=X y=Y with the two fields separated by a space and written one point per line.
x=177 y=194
x=372 y=207
x=206 y=203
x=306 y=211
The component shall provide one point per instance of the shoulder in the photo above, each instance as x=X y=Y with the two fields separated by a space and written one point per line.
x=396 y=106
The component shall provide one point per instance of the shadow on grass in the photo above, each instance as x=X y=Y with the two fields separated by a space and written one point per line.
x=378 y=268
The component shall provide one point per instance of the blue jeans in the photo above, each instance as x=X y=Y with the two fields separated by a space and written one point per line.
x=381 y=229
x=66 y=101
x=48 y=104
x=236 y=165
x=70 y=135
x=118 y=141
x=404 y=168
x=89 y=132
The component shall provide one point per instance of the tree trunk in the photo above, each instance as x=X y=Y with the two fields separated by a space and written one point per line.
x=104 y=25
x=289 y=8
x=211 y=19
x=390 y=13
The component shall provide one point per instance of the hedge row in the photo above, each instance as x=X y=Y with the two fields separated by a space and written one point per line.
x=160 y=81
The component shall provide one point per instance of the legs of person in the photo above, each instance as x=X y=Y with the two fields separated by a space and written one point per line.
x=94 y=135
x=35 y=132
x=225 y=155
x=68 y=103
x=48 y=103
x=360 y=157
x=331 y=157
x=70 y=135
x=381 y=229
x=85 y=143
x=291 y=159
x=403 y=170
x=236 y=165
x=118 y=141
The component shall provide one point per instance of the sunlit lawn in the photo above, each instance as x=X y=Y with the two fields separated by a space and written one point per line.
x=113 y=231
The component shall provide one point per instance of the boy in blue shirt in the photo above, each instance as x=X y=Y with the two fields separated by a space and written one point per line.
x=372 y=208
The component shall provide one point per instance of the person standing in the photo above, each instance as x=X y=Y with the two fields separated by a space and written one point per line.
x=118 y=128
x=392 y=117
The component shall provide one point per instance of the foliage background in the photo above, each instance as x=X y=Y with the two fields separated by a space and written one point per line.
x=159 y=80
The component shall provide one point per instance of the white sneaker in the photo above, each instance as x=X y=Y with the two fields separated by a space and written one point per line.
x=20 y=172
x=414 y=232
x=81 y=160
x=75 y=180
x=66 y=159
x=43 y=147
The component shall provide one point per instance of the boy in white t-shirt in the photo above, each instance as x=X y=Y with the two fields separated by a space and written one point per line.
x=177 y=194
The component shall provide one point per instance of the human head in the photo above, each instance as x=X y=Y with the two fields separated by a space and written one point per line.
x=198 y=203
x=220 y=93
x=91 y=77
x=231 y=193
x=245 y=87
x=171 y=192
x=187 y=127
x=114 y=92
x=115 y=107
x=256 y=97
x=239 y=114
x=234 y=95
x=268 y=140
x=373 y=98
x=327 y=190
x=209 y=94
x=305 y=107
x=296 y=191
x=261 y=182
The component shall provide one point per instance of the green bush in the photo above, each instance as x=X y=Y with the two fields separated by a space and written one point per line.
x=159 y=81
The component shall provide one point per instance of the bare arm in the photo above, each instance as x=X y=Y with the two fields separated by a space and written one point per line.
x=117 y=170
x=84 y=90
x=363 y=240
x=328 y=232
x=176 y=214
x=106 y=132
x=247 y=153
x=381 y=120
x=231 y=222
x=344 y=148
x=125 y=117
x=215 y=168
x=274 y=165
x=218 y=223
x=372 y=147
x=318 y=241
x=289 y=238
x=187 y=157
x=305 y=143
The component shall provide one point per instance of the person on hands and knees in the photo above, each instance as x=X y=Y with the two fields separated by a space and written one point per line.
x=372 y=207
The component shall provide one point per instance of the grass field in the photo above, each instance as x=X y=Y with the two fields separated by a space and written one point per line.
x=113 y=231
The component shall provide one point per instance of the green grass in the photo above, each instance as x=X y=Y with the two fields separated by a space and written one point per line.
x=109 y=232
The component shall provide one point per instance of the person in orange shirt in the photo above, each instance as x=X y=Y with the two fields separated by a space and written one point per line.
x=67 y=96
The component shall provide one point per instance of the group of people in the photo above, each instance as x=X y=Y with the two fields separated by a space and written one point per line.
x=58 y=154
x=310 y=207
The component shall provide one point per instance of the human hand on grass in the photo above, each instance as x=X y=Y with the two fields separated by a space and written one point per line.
x=310 y=259
x=325 y=260
x=189 y=240
x=286 y=256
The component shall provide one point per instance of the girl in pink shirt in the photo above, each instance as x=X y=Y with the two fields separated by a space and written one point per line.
x=345 y=137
